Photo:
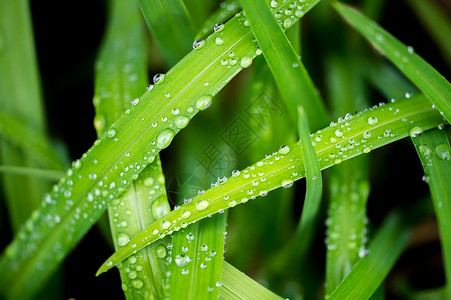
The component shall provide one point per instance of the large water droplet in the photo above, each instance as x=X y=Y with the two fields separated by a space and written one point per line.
x=158 y=78
x=165 y=138
x=202 y=204
x=443 y=151
x=204 y=102
x=372 y=120
x=181 y=121
x=218 y=27
x=182 y=260
x=123 y=239
x=416 y=131
x=284 y=149
x=161 y=251
x=245 y=62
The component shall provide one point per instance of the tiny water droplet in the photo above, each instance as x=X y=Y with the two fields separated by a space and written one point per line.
x=218 y=27
x=219 y=41
x=182 y=260
x=372 y=120
x=134 y=101
x=111 y=132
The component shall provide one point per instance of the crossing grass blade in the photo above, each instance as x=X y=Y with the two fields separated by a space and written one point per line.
x=292 y=79
x=116 y=159
x=423 y=75
x=362 y=133
x=171 y=25
x=53 y=175
x=236 y=285
x=32 y=142
x=436 y=22
x=226 y=10
x=435 y=154
x=121 y=71
x=384 y=249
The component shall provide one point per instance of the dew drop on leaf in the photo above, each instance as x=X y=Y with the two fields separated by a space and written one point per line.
x=204 y=102
x=182 y=260
x=198 y=44
x=202 y=204
x=443 y=152
x=123 y=239
x=158 y=78
x=164 y=138
x=372 y=120
x=416 y=131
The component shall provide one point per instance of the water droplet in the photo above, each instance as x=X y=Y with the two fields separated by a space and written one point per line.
x=372 y=120
x=137 y=283
x=425 y=150
x=158 y=78
x=161 y=251
x=204 y=248
x=134 y=101
x=164 y=138
x=416 y=131
x=198 y=44
x=338 y=133
x=218 y=27
x=219 y=41
x=236 y=173
x=185 y=271
x=182 y=260
x=204 y=102
x=287 y=183
x=149 y=87
x=165 y=224
x=245 y=62
x=410 y=50
x=232 y=203
x=92 y=176
x=274 y=3
x=367 y=150
x=367 y=135
x=443 y=151
x=284 y=149
x=202 y=204
x=299 y=13
x=123 y=239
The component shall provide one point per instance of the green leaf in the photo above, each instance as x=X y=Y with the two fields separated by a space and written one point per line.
x=385 y=248
x=30 y=141
x=236 y=285
x=53 y=175
x=116 y=159
x=436 y=22
x=362 y=133
x=120 y=74
x=226 y=10
x=291 y=77
x=435 y=154
x=171 y=25
x=425 y=77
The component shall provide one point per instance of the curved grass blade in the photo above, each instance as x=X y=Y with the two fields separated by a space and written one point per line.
x=226 y=10
x=53 y=175
x=120 y=155
x=385 y=248
x=291 y=78
x=436 y=22
x=120 y=72
x=31 y=142
x=236 y=285
x=435 y=154
x=425 y=77
x=341 y=141
x=171 y=25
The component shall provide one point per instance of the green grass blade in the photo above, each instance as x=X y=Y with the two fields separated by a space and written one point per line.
x=30 y=141
x=436 y=22
x=425 y=77
x=385 y=248
x=364 y=132
x=120 y=74
x=226 y=10
x=120 y=155
x=435 y=154
x=171 y=25
x=348 y=185
x=52 y=175
x=236 y=285
x=290 y=75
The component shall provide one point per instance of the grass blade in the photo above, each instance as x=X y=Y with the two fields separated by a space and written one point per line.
x=133 y=140
x=30 y=141
x=425 y=77
x=333 y=145
x=226 y=10
x=435 y=154
x=171 y=25
x=237 y=285
x=53 y=175
x=436 y=22
x=120 y=72
x=291 y=78
x=385 y=248
x=348 y=185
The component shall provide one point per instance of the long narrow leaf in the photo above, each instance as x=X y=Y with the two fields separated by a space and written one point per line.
x=53 y=175
x=425 y=77
x=361 y=134
x=435 y=155
x=291 y=78
x=236 y=286
x=171 y=25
